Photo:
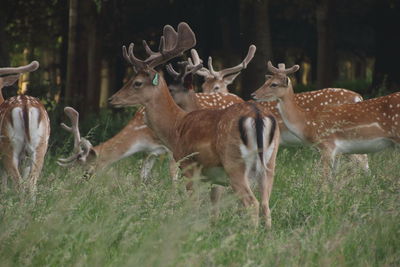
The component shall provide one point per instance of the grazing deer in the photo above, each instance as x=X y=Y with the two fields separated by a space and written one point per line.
x=361 y=127
x=237 y=139
x=133 y=138
x=136 y=136
x=24 y=132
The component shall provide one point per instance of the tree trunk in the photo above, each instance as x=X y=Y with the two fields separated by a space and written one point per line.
x=94 y=62
x=72 y=60
x=84 y=58
x=255 y=28
x=325 y=35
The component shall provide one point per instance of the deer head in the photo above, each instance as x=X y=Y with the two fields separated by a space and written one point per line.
x=217 y=81
x=146 y=81
x=277 y=84
x=183 y=78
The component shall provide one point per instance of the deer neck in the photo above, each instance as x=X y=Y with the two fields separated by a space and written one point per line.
x=292 y=114
x=163 y=115
x=188 y=101
x=124 y=143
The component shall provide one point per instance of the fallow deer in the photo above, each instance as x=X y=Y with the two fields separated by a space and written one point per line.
x=238 y=139
x=136 y=136
x=361 y=127
x=184 y=94
x=24 y=132
x=218 y=81
x=313 y=100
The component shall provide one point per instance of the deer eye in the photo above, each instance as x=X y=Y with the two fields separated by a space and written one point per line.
x=274 y=85
x=137 y=84
x=216 y=88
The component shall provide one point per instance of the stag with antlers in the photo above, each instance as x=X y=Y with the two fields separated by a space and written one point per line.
x=238 y=139
x=136 y=136
x=24 y=131
x=362 y=127
x=313 y=100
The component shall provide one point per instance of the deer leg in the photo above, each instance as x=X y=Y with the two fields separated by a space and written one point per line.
x=328 y=161
x=148 y=164
x=173 y=167
x=11 y=163
x=215 y=195
x=266 y=182
x=240 y=184
x=36 y=168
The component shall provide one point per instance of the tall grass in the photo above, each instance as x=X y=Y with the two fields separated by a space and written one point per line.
x=116 y=220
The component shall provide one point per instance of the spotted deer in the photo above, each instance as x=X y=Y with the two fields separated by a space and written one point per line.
x=184 y=94
x=361 y=127
x=136 y=136
x=133 y=138
x=218 y=81
x=24 y=132
x=313 y=100
x=237 y=140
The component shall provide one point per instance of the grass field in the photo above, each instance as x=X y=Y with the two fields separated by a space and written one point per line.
x=115 y=219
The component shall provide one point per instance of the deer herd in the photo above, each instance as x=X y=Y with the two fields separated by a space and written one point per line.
x=214 y=134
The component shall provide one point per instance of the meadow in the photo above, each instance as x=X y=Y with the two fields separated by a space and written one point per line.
x=115 y=219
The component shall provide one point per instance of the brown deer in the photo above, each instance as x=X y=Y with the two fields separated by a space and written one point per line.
x=312 y=100
x=218 y=81
x=136 y=136
x=24 y=131
x=239 y=139
x=183 y=92
x=361 y=127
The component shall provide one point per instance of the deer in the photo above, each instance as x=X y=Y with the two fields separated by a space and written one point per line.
x=133 y=138
x=218 y=81
x=361 y=127
x=184 y=95
x=237 y=139
x=136 y=136
x=312 y=100
x=24 y=132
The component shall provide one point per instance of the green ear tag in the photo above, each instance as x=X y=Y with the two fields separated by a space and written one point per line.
x=155 y=79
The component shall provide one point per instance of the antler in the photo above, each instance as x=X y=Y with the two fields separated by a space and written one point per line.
x=185 y=68
x=210 y=72
x=243 y=65
x=196 y=61
x=34 y=65
x=172 y=44
x=282 y=69
x=81 y=145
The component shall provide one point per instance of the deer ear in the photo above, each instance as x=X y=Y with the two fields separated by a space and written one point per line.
x=10 y=80
x=230 y=78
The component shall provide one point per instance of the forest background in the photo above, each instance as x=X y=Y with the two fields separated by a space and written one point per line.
x=337 y=43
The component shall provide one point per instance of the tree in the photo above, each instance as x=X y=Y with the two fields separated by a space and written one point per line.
x=325 y=36
x=255 y=28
